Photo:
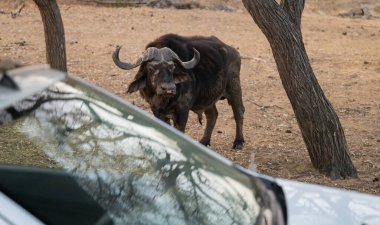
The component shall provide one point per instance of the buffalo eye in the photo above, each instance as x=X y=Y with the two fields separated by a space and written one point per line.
x=151 y=69
x=172 y=68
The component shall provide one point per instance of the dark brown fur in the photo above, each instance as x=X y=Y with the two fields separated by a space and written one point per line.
x=215 y=77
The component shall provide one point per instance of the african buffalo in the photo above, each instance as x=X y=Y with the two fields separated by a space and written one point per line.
x=178 y=74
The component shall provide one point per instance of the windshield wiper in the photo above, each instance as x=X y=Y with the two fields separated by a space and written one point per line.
x=7 y=81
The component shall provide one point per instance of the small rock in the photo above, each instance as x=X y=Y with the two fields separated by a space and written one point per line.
x=344 y=33
x=376 y=179
x=288 y=131
x=220 y=132
x=21 y=43
x=366 y=62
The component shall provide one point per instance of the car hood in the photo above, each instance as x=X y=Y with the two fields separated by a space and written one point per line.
x=315 y=204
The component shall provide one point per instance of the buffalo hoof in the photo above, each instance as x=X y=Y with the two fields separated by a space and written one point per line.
x=238 y=144
x=205 y=142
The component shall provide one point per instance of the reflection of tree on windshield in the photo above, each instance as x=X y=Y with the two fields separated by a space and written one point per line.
x=136 y=176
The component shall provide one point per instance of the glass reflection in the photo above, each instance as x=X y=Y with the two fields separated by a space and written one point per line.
x=137 y=173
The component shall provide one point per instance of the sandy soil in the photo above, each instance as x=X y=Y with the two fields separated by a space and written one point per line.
x=344 y=52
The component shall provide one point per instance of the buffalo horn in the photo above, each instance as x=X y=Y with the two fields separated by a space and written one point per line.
x=155 y=54
x=170 y=55
x=124 y=65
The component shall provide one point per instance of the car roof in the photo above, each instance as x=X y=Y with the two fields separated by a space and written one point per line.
x=29 y=80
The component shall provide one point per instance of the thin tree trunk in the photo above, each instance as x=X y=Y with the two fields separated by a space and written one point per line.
x=294 y=10
x=319 y=124
x=54 y=34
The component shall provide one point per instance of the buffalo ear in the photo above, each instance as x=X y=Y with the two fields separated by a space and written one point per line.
x=137 y=84
x=180 y=77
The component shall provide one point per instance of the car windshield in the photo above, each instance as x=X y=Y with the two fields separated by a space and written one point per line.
x=137 y=169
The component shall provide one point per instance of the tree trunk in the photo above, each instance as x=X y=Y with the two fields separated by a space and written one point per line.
x=54 y=34
x=319 y=124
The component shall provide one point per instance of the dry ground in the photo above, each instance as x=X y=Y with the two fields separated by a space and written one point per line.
x=344 y=52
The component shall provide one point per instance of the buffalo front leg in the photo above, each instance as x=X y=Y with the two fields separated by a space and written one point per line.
x=161 y=116
x=180 y=119
x=211 y=116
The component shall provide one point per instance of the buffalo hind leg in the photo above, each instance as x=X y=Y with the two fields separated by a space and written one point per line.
x=239 y=139
x=238 y=109
x=235 y=100
x=211 y=116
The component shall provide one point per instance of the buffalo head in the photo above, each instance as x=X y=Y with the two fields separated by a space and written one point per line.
x=158 y=70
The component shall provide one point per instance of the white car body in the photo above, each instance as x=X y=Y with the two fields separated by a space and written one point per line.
x=313 y=204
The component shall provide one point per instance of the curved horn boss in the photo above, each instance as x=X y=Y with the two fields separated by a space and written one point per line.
x=155 y=54
x=169 y=55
